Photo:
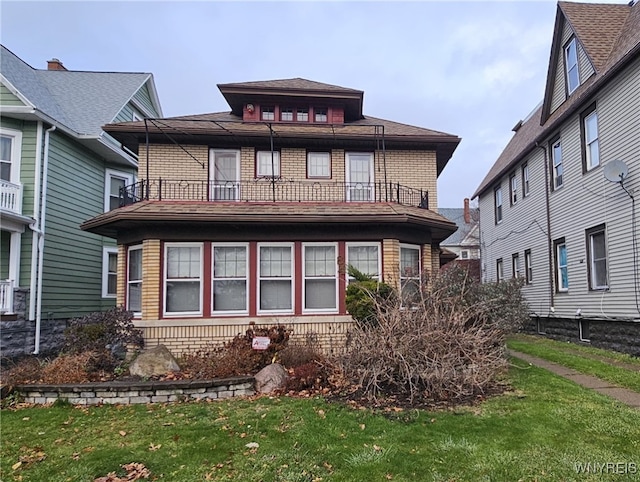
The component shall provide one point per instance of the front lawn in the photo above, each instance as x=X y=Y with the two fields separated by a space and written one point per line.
x=543 y=429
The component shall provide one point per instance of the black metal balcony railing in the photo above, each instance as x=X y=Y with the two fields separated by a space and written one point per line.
x=266 y=190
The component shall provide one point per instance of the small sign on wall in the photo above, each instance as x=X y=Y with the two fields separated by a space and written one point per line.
x=260 y=342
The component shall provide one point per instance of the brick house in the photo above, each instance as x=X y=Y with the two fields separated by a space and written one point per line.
x=253 y=215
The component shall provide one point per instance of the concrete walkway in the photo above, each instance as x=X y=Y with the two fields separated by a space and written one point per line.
x=624 y=395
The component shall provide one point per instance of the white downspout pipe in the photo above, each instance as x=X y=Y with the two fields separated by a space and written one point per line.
x=34 y=226
x=43 y=212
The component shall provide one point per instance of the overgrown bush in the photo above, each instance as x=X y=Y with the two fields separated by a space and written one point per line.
x=82 y=367
x=365 y=296
x=449 y=345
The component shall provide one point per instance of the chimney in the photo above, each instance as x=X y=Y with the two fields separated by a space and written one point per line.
x=467 y=215
x=55 y=64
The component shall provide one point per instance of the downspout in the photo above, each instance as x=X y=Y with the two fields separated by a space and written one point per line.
x=45 y=171
x=549 y=243
x=34 y=226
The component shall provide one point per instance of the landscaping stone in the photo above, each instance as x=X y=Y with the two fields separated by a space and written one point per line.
x=153 y=362
x=271 y=378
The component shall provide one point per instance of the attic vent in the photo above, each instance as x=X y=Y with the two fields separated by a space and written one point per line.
x=517 y=126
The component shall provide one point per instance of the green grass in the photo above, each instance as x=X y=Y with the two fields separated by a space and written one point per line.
x=537 y=431
x=622 y=370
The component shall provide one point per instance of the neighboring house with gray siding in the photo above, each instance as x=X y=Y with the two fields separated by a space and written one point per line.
x=548 y=212
x=465 y=242
x=59 y=168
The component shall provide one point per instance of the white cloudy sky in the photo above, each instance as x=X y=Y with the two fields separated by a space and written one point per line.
x=472 y=68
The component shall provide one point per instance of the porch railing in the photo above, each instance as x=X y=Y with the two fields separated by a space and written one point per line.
x=6 y=296
x=10 y=197
x=266 y=190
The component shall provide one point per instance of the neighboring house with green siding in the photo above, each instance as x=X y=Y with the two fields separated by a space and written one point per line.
x=58 y=168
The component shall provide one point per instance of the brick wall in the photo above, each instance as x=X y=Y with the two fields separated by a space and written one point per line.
x=151 y=285
x=391 y=259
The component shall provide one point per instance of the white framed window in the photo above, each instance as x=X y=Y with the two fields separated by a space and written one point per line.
x=275 y=278
x=268 y=113
x=513 y=189
x=591 y=143
x=136 y=116
x=318 y=165
x=320 y=114
x=562 y=266
x=497 y=198
x=320 y=272
x=183 y=279
x=225 y=174
x=286 y=114
x=464 y=254
x=410 y=272
x=525 y=180
x=365 y=257
x=10 y=153
x=302 y=114
x=585 y=330
x=268 y=164
x=571 y=64
x=230 y=278
x=556 y=159
x=359 y=176
x=114 y=181
x=499 y=270
x=134 y=279
x=109 y=272
x=597 y=254
x=515 y=265
x=528 y=268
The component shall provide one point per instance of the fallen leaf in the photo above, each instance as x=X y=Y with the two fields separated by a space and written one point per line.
x=362 y=426
x=122 y=432
x=16 y=466
x=153 y=447
x=252 y=445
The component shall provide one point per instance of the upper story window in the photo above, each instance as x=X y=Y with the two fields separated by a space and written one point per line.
x=528 y=267
x=571 y=65
x=320 y=114
x=10 y=148
x=556 y=160
x=267 y=164
x=590 y=143
x=515 y=265
x=318 y=165
x=513 y=189
x=136 y=116
x=286 y=114
x=115 y=181
x=464 y=254
x=525 y=180
x=302 y=115
x=497 y=197
x=268 y=113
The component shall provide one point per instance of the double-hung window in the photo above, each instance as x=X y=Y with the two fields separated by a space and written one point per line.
x=409 y=273
x=365 y=257
x=318 y=165
x=525 y=180
x=320 y=277
x=268 y=113
x=10 y=152
x=109 y=272
x=229 y=284
x=556 y=159
x=497 y=197
x=513 y=188
x=115 y=182
x=268 y=164
x=597 y=250
x=320 y=114
x=134 y=279
x=591 y=146
x=571 y=64
x=302 y=114
x=275 y=278
x=562 y=266
x=183 y=279
x=286 y=114
x=499 y=270
x=515 y=265
x=528 y=268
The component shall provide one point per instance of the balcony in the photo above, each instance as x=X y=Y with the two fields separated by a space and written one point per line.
x=10 y=197
x=268 y=190
x=6 y=296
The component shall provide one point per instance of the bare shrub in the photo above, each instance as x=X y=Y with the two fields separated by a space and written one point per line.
x=308 y=376
x=301 y=352
x=23 y=371
x=76 y=368
x=446 y=343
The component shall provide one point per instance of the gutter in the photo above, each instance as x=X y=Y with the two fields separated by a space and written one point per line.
x=40 y=234
x=549 y=241
x=35 y=226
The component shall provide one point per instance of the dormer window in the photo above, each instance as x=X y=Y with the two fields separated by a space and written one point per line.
x=302 y=115
x=320 y=115
x=286 y=114
x=571 y=63
x=268 y=113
